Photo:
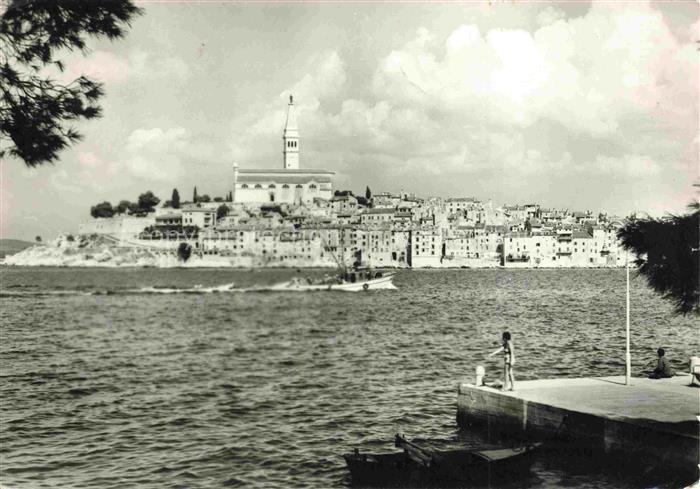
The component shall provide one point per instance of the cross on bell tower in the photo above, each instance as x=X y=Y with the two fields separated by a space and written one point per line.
x=291 y=138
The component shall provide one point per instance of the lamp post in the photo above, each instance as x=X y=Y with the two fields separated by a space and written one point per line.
x=628 y=358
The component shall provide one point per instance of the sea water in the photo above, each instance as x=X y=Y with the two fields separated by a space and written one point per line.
x=149 y=378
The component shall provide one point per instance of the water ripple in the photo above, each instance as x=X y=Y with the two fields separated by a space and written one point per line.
x=105 y=387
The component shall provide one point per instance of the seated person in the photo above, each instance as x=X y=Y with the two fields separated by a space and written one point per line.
x=663 y=370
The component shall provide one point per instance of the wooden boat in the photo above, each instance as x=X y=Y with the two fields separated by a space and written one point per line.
x=424 y=466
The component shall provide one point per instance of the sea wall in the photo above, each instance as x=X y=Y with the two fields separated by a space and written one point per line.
x=648 y=422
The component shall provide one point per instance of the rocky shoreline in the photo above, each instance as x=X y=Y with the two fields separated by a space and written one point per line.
x=91 y=252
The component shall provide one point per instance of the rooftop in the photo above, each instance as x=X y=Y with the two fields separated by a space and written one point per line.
x=266 y=178
x=282 y=171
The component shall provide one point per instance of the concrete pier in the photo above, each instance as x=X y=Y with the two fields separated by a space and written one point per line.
x=648 y=422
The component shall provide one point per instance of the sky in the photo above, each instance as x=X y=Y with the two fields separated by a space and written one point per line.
x=574 y=105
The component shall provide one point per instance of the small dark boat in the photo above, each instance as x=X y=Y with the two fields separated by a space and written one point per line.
x=423 y=466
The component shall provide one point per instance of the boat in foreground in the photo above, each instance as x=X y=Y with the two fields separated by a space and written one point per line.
x=421 y=465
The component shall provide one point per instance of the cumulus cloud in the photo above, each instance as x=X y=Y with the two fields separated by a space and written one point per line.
x=588 y=73
x=616 y=83
x=254 y=131
x=160 y=155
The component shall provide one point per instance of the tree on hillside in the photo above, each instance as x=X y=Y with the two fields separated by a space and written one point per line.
x=184 y=251
x=368 y=193
x=38 y=239
x=667 y=255
x=135 y=210
x=175 y=199
x=103 y=209
x=148 y=201
x=205 y=198
x=122 y=207
x=218 y=199
x=36 y=112
x=222 y=211
x=229 y=197
x=195 y=198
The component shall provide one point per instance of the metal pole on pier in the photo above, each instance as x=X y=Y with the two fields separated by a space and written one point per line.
x=628 y=357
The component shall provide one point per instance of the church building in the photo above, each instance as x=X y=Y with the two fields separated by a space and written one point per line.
x=289 y=184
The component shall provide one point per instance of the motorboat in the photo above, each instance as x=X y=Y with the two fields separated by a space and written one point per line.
x=353 y=281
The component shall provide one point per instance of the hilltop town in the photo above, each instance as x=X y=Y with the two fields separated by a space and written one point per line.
x=379 y=229
x=289 y=216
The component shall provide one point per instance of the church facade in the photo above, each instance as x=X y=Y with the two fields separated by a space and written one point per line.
x=288 y=184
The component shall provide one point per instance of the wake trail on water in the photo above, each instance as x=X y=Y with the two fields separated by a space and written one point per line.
x=148 y=290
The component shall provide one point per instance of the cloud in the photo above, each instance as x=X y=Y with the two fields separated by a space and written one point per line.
x=113 y=69
x=160 y=155
x=150 y=67
x=635 y=166
x=618 y=87
x=588 y=73
x=100 y=65
x=549 y=16
x=254 y=130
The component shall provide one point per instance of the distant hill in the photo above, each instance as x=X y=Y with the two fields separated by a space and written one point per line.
x=12 y=246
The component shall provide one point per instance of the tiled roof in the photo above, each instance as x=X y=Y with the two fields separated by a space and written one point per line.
x=380 y=211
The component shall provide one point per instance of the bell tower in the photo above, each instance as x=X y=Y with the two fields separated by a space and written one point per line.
x=290 y=138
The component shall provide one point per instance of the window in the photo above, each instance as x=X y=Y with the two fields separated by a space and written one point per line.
x=298 y=184
x=312 y=186
x=272 y=185
x=245 y=185
x=285 y=186
x=257 y=185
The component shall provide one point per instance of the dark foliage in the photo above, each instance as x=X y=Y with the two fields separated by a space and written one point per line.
x=184 y=251
x=195 y=197
x=368 y=193
x=175 y=199
x=36 y=111
x=135 y=210
x=222 y=211
x=103 y=209
x=148 y=201
x=38 y=239
x=205 y=198
x=362 y=200
x=667 y=255
x=122 y=207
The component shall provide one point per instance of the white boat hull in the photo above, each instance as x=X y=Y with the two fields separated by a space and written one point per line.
x=381 y=283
